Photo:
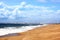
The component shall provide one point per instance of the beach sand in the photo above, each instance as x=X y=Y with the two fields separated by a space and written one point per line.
x=49 y=32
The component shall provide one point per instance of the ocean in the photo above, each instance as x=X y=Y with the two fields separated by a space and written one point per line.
x=17 y=28
x=3 y=25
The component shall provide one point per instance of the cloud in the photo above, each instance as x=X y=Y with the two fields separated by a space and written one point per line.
x=28 y=13
x=23 y=3
x=58 y=11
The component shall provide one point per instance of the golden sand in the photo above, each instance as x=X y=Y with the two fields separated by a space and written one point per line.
x=49 y=32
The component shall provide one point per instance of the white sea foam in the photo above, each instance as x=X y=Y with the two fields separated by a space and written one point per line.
x=8 y=30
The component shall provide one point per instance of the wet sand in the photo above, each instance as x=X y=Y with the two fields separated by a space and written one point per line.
x=11 y=34
x=49 y=32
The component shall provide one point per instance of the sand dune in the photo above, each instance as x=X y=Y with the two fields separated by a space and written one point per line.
x=49 y=32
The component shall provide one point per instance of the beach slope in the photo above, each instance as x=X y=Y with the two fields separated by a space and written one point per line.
x=49 y=32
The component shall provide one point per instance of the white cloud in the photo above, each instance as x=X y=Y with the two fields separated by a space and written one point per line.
x=1 y=3
x=23 y=3
x=58 y=12
x=27 y=10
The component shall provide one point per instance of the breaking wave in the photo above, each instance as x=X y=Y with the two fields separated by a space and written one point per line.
x=8 y=30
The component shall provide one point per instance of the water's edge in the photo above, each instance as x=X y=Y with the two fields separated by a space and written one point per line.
x=10 y=30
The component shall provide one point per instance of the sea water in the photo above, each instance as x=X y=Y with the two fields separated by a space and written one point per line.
x=4 y=29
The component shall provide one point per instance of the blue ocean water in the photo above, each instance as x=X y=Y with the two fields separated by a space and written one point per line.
x=2 y=25
x=16 y=28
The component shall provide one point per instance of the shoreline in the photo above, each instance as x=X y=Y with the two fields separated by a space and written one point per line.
x=49 y=32
x=9 y=30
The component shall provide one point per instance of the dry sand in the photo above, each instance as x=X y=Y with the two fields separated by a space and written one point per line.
x=49 y=32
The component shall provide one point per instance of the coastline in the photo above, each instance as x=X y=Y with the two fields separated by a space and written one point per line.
x=49 y=32
x=10 y=30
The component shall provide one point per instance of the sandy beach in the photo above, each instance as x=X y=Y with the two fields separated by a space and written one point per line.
x=49 y=32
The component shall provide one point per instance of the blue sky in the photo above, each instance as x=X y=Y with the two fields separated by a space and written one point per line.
x=30 y=11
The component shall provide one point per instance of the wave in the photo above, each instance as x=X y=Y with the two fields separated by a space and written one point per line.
x=8 y=30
